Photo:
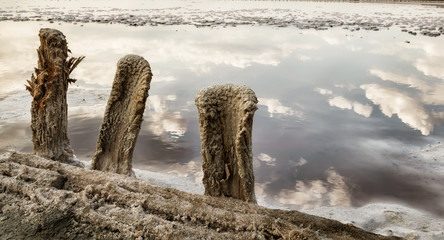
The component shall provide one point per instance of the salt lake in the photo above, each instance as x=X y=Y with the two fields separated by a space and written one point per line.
x=351 y=104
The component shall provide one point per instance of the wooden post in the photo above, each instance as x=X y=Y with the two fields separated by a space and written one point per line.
x=226 y=119
x=48 y=87
x=123 y=116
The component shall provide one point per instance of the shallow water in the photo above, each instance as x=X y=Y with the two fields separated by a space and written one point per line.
x=339 y=110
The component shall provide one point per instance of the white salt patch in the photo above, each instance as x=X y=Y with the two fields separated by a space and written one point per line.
x=381 y=218
x=387 y=219
x=164 y=180
x=170 y=181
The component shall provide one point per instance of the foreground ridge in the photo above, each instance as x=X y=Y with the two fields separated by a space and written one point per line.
x=44 y=199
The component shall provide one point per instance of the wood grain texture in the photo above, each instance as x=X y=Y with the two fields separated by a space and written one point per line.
x=123 y=116
x=226 y=120
x=48 y=88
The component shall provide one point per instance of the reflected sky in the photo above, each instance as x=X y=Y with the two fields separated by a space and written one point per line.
x=337 y=109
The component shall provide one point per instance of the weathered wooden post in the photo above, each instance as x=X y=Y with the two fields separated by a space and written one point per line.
x=123 y=116
x=48 y=87
x=226 y=119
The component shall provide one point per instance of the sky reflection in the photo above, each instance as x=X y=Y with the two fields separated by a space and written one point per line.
x=343 y=103
x=337 y=110
x=161 y=122
x=391 y=101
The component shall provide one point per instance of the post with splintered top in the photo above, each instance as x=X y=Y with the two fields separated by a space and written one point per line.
x=226 y=120
x=123 y=116
x=48 y=87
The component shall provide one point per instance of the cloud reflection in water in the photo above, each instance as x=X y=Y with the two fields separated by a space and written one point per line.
x=343 y=103
x=316 y=193
x=392 y=101
x=274 y=106
x=267 y=159
x=163 y=123
x=184 y=59
x=410 y=110
x=191 y=169
x=431 y=91
x=431 y=63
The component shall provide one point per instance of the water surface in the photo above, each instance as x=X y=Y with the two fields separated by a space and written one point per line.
x=339 y=113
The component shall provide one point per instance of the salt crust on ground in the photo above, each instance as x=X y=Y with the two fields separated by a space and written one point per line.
x=321 y=16
x=44 y=199
x=381 y=218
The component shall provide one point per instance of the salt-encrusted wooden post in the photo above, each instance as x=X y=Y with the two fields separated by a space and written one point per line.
x=48 y=87
x=123 y=116
x=226 y=119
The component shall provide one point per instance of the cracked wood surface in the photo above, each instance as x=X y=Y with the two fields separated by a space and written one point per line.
x=48 y=87
x=123 y=116
x=226 y=122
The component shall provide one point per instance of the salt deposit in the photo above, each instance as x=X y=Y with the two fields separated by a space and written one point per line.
x=381 y=218
x=423 y=19
x=385 y=218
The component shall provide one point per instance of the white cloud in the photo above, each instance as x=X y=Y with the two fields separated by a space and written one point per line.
x=199 y=54
x=302 y=161
x=163 y=122
x=432 y=47
x=274 y=106
x=431 y=66
x=348 y=86
x=409 y=110
x=426 y=60
x=340 y=102
x=343 y=103
x=431 y=92
x=339 y=195
x=259 y=191
x=323 y=91
x=361 y=109
x=192 y=169
x=317 y=193
x=306 y=195
x=267 y=159
x=398 y=78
